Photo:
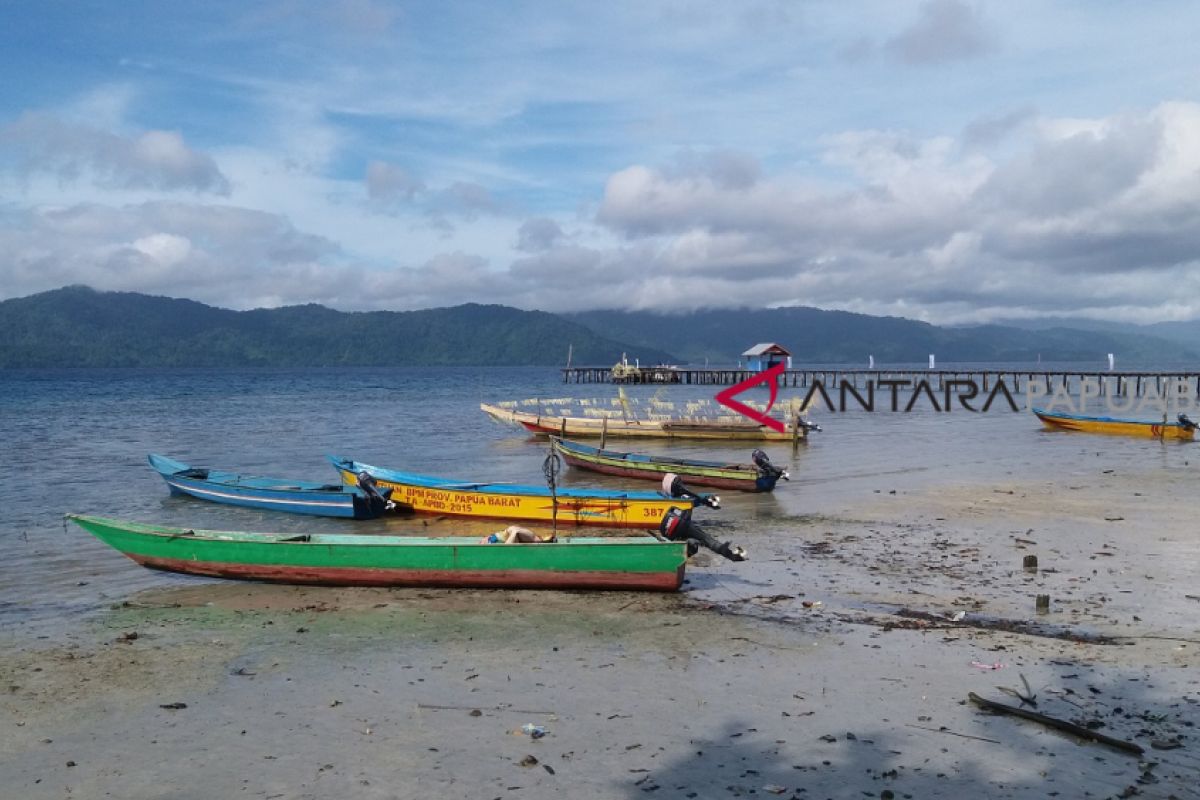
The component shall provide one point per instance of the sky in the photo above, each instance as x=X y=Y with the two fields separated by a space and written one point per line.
x=954 y=161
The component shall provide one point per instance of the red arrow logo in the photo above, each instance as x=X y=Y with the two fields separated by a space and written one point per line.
x=771 y=376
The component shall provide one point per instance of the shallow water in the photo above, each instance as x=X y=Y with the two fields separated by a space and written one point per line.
x=76 y=441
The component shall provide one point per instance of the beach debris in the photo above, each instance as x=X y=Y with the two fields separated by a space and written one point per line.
x=957 y=616
x=1028 y=698
x=1166 y=744
x=548 y=768
x=811 y=603
x=173 y=706
x=475 y=712
x=1041 y=603
x=128 y=637
x=774 y=788
x=981 y=665
x=533 y=731
x=1058 y=724
x=946 y=730
x=528 y=761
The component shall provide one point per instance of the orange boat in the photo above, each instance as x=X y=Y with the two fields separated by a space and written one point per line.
x=1182 y=429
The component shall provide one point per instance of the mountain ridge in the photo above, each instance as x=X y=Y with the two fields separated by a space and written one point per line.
x=78 y=326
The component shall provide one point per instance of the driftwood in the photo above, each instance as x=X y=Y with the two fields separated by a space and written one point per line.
x=1062 y=725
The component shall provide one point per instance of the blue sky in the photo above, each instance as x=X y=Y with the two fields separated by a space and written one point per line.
x=950 y=160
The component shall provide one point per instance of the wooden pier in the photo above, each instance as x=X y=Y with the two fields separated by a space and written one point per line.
x=1134 y=384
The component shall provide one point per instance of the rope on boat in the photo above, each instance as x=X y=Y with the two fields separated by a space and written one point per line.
x=550 y=468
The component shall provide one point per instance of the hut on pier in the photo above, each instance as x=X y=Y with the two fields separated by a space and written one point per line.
x=765 y=355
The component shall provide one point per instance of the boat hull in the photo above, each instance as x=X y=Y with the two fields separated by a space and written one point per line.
x=588 y=427
x=430 y=495
x=738 y=477
x=270 y=494
x=349 y=560
x=1115 y=427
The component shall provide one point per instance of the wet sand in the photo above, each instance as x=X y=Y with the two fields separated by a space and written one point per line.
x=835 y=664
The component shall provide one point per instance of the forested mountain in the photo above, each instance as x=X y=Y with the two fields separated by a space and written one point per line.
x=77 y=326
x=830 y=337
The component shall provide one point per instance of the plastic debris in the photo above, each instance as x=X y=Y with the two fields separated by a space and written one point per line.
x=981 y=665
x=534 y=731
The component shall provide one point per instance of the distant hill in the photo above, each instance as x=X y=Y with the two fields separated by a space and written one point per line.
x=1185 y=333
x=77 y=326
x=817 y=336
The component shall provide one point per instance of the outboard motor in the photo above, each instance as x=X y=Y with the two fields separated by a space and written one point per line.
x=380 y=500
x=677 y=526
x=1186 y=423
x=766 y=468
x=672 y=486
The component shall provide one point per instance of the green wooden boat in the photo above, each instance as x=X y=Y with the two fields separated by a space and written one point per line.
x=335 y=559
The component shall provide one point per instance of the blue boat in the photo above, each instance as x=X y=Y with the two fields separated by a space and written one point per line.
x=274 y=494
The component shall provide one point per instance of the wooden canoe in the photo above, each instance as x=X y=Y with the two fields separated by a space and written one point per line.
x=274 y=494
x=742 y=477
x=429 y=494
x=1182 y=429
x=364 y=560
x=728 y=428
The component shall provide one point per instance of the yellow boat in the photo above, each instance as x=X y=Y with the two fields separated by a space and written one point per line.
x=427 y=494
x=725 y=427
x=1183 y=429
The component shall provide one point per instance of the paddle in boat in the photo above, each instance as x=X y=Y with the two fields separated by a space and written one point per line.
x=360 y=500
x=1183 y=428
x=760 y=476
x=365 y=560
x=425 y=493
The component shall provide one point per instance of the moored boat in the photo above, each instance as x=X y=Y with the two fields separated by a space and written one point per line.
x=1183 y=428
x=429 y=494
x=724 y=427
x=275 y=494
x=760 y=476
x=364 y=560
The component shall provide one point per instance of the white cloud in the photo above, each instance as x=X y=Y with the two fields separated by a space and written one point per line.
x=41 y=142
x=165 y=248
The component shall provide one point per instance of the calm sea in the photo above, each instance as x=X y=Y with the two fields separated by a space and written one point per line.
x=77 y=440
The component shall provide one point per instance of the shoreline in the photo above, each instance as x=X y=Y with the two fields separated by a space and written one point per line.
x=731 y=688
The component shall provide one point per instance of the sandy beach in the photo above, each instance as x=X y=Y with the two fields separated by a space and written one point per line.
x=837 y=663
